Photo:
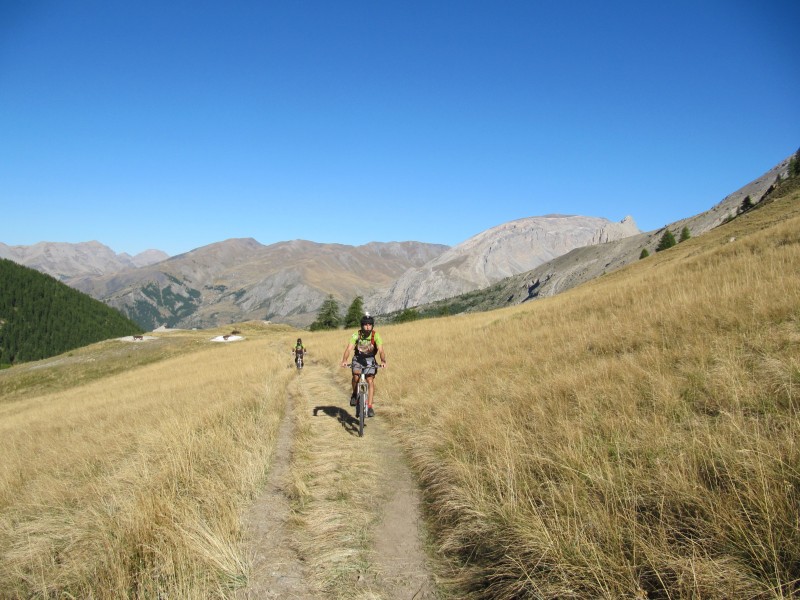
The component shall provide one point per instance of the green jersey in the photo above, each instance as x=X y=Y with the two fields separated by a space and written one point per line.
x=366 y=346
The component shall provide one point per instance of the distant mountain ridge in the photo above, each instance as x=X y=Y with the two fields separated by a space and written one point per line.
x=241 y=279
x=65 y=261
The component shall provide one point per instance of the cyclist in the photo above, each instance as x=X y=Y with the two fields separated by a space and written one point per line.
x=299 y=351
x=367 y=343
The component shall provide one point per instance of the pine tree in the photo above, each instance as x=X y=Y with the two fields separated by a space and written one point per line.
x=667 y=241
x=644 y=254
x=354 y=313
x=685 y=235
x=328 y=316
x=747 y=204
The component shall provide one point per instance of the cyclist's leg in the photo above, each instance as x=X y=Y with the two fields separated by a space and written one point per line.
x=371 y=383
x=355 y=367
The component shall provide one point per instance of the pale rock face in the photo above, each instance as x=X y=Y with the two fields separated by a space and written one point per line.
x=497 y=253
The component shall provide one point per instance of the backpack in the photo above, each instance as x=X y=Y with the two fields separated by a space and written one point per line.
x=361 y=347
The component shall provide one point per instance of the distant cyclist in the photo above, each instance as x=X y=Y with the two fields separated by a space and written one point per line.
x=367 y=343
x=299 y=352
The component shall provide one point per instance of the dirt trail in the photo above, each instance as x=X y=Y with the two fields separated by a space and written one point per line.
x=277 y=570
x=353 y=526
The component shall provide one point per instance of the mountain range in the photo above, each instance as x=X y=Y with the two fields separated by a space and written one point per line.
x=66 y=261
x=241 y=279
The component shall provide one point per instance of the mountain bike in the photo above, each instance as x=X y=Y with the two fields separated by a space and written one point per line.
x=298 y=361
x=362 y=396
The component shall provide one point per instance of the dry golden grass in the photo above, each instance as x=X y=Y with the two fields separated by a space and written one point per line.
x=636 y=437
x=133 y=484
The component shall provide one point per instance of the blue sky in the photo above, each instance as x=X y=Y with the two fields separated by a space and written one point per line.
x=173 y=125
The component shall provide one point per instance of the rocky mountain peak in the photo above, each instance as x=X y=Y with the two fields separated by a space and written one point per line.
x=497 y=253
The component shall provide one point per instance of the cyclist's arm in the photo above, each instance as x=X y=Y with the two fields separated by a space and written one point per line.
x=382 y=355
x=346 y=354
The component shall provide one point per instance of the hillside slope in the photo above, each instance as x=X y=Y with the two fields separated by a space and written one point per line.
x=41 y=317
x=633 y=437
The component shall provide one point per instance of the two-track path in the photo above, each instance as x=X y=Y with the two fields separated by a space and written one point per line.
x=340 y=515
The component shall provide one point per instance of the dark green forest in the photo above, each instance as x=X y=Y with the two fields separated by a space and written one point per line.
x=41 y=317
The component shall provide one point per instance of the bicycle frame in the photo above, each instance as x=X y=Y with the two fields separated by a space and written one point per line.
x=362 y=397
x=361 y=406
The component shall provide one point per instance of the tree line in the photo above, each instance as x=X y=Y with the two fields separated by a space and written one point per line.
x=42 y=317
x=328 y=316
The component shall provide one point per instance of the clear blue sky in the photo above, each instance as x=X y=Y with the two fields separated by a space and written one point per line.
x=175 y=124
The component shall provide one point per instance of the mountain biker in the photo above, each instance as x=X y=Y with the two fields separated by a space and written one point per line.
x=299 y=351
x=367 y=343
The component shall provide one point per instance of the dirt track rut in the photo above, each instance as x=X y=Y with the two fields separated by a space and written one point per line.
x=340 y=515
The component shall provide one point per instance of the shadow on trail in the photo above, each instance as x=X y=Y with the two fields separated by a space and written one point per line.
x=348 y=421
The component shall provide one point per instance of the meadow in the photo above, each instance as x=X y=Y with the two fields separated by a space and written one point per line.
x=636 y=437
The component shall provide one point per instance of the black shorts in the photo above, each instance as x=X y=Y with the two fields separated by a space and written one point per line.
x=367 y=364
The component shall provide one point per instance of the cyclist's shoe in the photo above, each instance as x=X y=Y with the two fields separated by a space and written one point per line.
x=370 y=412
x=353 y=400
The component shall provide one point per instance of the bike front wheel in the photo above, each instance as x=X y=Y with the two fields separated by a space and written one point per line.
x=362 y=412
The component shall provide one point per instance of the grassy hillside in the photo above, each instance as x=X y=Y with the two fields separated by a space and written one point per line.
x=635 y=437
x=41 y=317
